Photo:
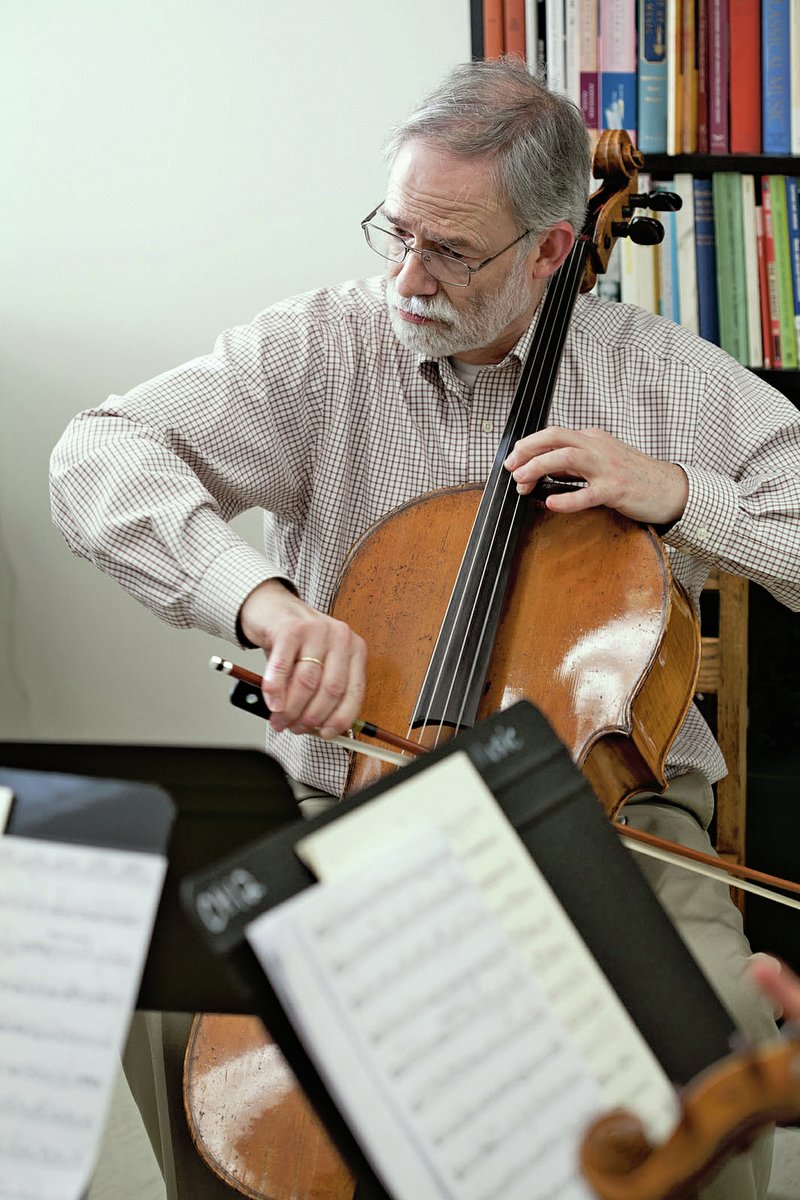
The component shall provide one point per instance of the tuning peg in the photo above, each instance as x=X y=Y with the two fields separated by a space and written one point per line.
x=645 y=231
x=664 y=201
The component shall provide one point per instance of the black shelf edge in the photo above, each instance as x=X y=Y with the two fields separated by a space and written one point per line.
x=707 y=164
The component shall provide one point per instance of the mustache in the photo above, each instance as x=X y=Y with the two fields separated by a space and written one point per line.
x=435 y=307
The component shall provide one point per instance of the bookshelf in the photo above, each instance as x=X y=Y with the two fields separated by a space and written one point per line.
x=664 y=166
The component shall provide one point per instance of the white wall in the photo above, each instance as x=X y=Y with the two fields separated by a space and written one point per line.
x=169 y=168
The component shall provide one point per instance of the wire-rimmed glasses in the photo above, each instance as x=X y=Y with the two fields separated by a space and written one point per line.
x=443 y=267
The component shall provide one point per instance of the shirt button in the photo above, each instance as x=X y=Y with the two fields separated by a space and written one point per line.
x=487 y=426
x=702 y=534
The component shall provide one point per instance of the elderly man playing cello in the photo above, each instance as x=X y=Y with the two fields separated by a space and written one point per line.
x=333 y=408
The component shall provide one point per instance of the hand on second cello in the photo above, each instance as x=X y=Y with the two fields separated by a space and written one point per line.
x=314 y=678
x=617 y=475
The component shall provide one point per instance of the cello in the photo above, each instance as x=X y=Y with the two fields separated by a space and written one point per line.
x=613 y=667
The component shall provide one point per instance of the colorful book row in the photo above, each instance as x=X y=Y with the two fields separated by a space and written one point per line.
x=682 y=76
x=728 y=267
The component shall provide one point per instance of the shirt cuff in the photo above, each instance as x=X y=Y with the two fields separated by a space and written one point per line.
x=223 y=589
x=707 y=526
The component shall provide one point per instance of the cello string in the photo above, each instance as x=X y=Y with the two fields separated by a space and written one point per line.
x=560 y=301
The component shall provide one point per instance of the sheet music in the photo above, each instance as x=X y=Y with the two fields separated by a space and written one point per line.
x=430 y=1030
x=6 y=800
x=453 y=794
x=75 y=924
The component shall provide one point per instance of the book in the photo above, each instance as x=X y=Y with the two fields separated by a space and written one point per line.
x=745 y=72
x=718 y=77
x=731 y=286
x=763 y=289
x=572 y=47
x=535 y=36
x=689 y=76
x=775 y=83
x=701 y=8
x=783 y=271
x=652 y=78
x=793 y=214
x=431 y=905
x=476 y=28
x=794 y=74
x=683 y=185
x=751 y=271
x=706 y=261
x=639 y=281
x=667 y=261
x=674 y=79
x=771 y=270
x=514 y=28
x=493 y=29
x=555 y=29
x=617 y=62
x=589 y=81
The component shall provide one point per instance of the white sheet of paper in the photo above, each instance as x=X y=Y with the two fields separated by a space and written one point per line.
x=452 y=794
x=432 y=1033
x=75 y=925
x=6 y=800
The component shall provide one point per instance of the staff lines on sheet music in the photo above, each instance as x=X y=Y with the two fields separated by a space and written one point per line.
x=517 y=1074
x=435 y=940
x=126 y=868
x=59 y=1034
x=461 y=1007
x=345 y=915
x=525 y=1120
x=97 y=916
x=441 y=1039
x=42 y=1111
x=40 y=1152
x=51 y=1078
x=71 y=994
x=46 y=951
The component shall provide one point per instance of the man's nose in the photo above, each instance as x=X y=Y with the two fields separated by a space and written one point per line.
x=412 y=279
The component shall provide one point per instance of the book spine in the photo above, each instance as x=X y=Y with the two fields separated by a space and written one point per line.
x=783 y=271
x=793 y=213
x=556 y=65
x=706 y=259
x=617 y=55
x=653 y=76
x=589 y=79
x=752 y=288
x=514 y=28
x=476 y=28
x=493 y=29
x=702 y=76
x=794 y=73
x=775 y=84
x=718 y=77
x=572 y=61
x=674 y=85
x=745 y=74
x=731 y=297
x=683 y=184
x=667 y=258
x=776 y=348
x=689 y=76
x=763 y=289
x=535 y=36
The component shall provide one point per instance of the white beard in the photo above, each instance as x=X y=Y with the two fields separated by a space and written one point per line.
x=458 y=330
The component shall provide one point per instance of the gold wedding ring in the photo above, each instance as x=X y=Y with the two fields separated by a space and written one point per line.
x=308 y=658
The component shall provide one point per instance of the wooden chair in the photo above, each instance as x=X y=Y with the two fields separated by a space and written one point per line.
x=723 y=674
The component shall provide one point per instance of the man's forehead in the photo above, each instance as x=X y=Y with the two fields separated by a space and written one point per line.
x=441 y=193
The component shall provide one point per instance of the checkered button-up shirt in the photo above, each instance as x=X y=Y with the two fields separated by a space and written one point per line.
x=316 y=414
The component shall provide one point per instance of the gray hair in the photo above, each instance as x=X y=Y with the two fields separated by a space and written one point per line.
x=535 y=140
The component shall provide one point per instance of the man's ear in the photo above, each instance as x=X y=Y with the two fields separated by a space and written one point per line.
x=554 y=246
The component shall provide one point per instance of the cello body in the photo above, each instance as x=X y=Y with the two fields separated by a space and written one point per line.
x=595 y=632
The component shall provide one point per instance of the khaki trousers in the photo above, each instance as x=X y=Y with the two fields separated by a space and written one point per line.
x=701 y=909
